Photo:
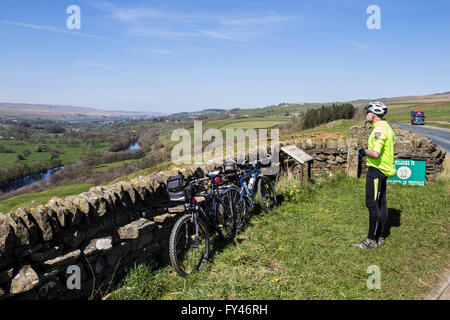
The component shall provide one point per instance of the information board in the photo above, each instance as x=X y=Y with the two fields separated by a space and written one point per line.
x=297 y=154
x=409 y=172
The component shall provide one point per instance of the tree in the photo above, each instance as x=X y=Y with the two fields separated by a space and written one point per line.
x=55 y=129
x=26 y=152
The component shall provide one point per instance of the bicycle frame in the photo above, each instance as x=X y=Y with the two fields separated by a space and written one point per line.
x=254 y=171
x=213 y=217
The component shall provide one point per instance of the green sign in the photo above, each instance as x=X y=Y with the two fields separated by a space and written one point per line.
x=409 y=172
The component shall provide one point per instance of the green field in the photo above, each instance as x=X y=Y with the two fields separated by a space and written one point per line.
x=433 y=111
x=245 y=123
x=70 y=154
x=279 y=110
x=106 y=166
x=335 y=129
x=303 y=249
x=253 y=124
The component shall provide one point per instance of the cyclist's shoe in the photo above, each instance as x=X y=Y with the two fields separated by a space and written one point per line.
x=380 y=241
x=366 y=244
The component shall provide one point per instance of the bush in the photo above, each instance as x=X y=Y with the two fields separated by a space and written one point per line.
x=315 y=117
x=42 y=148
x=54 y=129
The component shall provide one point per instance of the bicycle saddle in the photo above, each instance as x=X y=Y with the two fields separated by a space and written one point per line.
x=213 y=173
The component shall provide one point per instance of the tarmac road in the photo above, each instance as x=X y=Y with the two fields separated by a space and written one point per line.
x=440 y=136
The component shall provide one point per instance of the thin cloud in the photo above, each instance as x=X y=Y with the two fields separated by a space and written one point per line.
x=161 y=51
x=223 y=36
x=358 y=45
x=145 y=31
x=48 y=28
x=254 y=21
x=148 y=22
x=93 y=65
x=137 y=15
x=149 y=51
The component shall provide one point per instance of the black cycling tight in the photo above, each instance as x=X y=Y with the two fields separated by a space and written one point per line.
x=376 y=202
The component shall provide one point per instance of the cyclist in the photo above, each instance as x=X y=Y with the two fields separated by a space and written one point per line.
x=380 y=163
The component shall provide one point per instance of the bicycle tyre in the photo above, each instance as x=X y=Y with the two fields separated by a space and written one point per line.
x=240 y=207
x=183 y=224
x=226 y=212
x=264 y=183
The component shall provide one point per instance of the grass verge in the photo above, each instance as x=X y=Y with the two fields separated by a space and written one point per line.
x=445 y=125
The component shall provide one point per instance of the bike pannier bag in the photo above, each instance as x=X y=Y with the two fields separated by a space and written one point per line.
x=175 y=187
x=229 y=167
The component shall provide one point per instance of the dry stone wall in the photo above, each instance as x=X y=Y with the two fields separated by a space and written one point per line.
x=329 y=156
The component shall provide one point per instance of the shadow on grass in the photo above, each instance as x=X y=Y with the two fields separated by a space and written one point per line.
x=394 y=217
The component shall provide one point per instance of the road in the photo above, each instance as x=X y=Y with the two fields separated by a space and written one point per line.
x=440 y=136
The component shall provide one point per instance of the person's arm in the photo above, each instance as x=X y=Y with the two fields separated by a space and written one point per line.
x=372 y=154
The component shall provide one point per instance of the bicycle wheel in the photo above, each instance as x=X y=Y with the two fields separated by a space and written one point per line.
x=266 y=194
x=240 y=212
x=225 y=211
x=188 y=252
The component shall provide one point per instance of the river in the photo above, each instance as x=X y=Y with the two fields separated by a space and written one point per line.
x=135 y=146
x=45 y=176
x=28 y=180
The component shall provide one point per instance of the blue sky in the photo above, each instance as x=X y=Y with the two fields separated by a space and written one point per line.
x=185 y=55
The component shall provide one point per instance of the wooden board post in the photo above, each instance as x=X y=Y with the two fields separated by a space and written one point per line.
x=301 y=175
x=309 y=170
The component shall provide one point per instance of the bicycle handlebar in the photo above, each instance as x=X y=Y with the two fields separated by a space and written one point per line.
x=255 y=162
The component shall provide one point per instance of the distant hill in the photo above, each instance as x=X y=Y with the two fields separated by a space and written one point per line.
x=213 y=111
x=58 y=112
x=407 y=100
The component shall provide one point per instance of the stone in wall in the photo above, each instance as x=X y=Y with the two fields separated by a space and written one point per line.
x=47 y=253
x=136 y=229
x=6 y=238
x=25 y=280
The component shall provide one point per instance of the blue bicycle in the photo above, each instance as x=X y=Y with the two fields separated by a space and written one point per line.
x=248 y=181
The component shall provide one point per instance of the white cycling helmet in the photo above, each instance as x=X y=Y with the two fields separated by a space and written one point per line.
x=379 y=108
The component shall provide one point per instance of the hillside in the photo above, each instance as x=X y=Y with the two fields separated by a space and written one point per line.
x=58 y=112
x=407 y=100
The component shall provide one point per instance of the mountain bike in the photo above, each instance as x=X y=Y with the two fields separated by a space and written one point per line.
x=250 y=181
x=190 y=238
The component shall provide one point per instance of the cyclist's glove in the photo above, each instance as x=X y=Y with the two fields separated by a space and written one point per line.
x=362 y=153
